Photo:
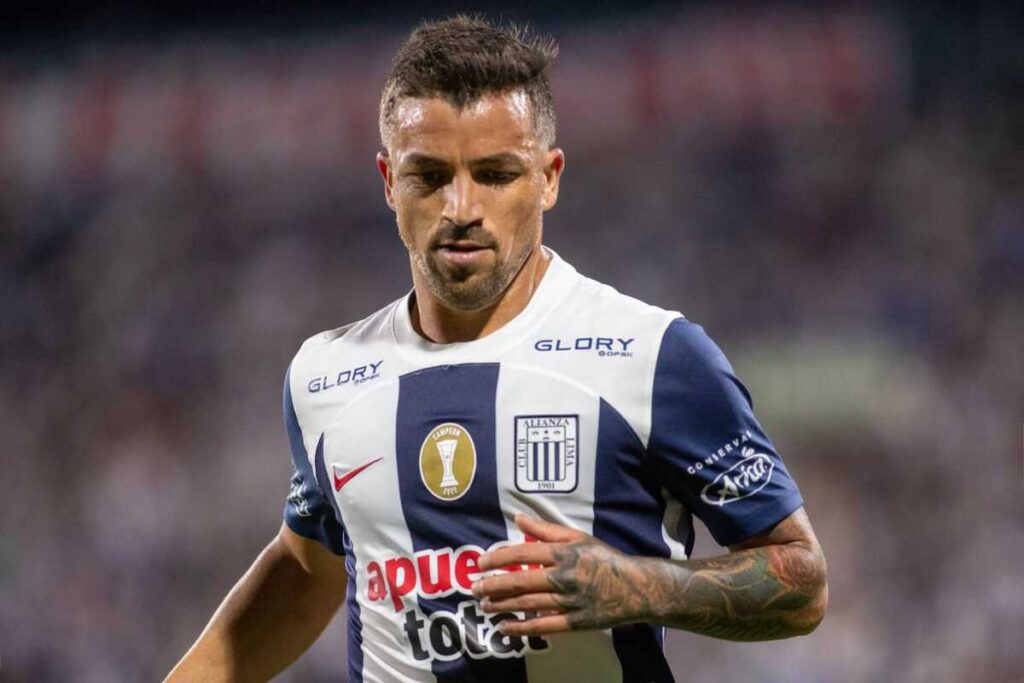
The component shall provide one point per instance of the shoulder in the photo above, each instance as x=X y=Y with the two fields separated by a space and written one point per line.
x=686 y=347
x=602 y=303
x=693 y=373
x=374 y=326
x=329 y=346
x=678 y=354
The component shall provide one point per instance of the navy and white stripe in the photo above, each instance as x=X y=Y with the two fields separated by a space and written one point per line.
x=628 y=511
x=546 y=462
x=465 y=395
x=307 y=510
x=355 y=622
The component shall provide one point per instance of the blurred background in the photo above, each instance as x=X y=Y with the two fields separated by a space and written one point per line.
x=836 y=194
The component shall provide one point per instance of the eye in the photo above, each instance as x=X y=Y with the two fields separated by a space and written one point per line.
x=494 y=177
x=432 y=178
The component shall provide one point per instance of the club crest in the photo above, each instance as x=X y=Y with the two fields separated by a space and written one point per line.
x=547 y=453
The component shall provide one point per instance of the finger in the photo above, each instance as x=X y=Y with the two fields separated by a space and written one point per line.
x=548 y=531
x=519 y=554
x=513 y=583
x=538 y=626
x=531 y=602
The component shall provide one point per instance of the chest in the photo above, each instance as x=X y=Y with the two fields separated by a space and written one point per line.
x=467 y=447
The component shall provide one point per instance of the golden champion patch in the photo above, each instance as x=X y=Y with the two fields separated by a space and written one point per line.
x=448 y=461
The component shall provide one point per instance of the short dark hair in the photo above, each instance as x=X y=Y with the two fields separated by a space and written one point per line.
x=466 y=57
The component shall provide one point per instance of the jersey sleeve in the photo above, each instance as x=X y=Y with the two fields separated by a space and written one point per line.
x=307 y=510
x=708 y=448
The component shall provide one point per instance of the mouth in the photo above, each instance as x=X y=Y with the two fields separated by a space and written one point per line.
x=462 y=252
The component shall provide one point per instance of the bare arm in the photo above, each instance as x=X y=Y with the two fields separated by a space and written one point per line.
x=770 y=586
x=271 y=616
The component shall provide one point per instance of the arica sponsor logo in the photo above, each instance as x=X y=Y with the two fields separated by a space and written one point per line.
x=723 y=451
x=744 y=479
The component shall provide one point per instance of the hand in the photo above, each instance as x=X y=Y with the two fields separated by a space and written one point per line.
x=581 y=584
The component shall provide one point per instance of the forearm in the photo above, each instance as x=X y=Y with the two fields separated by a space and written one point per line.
x=755 y=594
x=271 y=616
x=772 y=585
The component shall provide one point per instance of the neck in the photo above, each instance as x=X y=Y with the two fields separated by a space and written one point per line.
x=432 y=320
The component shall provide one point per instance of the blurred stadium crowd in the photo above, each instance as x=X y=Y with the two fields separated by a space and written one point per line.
x=837 y=197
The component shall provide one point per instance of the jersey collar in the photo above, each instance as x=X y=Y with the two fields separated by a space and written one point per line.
x=553 y=287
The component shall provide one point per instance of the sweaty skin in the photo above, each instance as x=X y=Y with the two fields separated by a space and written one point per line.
x=469 y=188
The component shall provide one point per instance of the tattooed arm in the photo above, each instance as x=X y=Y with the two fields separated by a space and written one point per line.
x=770 y=586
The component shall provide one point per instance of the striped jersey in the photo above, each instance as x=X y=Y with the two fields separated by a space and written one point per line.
x=590 y=409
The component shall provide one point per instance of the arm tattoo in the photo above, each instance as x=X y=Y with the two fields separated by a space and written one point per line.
x=755 y=594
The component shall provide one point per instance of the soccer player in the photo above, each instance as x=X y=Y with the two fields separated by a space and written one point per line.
x=498 y=472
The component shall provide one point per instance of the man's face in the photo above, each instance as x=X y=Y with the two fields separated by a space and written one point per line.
x=469 y=188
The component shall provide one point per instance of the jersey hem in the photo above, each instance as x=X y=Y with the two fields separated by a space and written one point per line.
x=299 y=531
x=761 y=520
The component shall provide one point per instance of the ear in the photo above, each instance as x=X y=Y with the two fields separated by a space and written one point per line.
x=384 y=166
x=553 y=168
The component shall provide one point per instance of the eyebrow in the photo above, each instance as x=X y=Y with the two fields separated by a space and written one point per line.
x=418 y=159
x=498 y=159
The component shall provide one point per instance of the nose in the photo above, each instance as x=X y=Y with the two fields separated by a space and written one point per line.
x=462 y=200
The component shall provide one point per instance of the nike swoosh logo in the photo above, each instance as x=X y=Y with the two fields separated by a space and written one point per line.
x=347 y=477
